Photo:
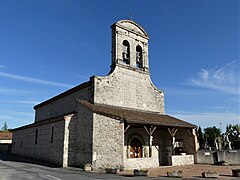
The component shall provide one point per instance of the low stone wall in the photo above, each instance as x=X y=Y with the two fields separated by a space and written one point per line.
x=213 y=157
x=138 y=163
x=145 y=162
x=206 y=157
x=179 y=160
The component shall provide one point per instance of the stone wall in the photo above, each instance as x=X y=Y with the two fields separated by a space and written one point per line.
x=178 y=160
x=37 y=142
x=214 y=157
x=188 y=137
x=145 y=162
x=64 y=105
x=84 y=136
x=128 y=88
x=107 y=142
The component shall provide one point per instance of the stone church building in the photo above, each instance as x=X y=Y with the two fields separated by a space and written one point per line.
x=112 y=121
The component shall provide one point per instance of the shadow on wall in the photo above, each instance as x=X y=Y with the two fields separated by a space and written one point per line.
x=5 y=148
x=15 y=158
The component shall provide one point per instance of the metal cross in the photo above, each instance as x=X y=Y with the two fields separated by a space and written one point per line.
x=131 y=15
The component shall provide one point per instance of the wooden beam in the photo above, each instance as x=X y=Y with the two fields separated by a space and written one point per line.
x=147 y=130
x=127 y=128
x=175 y=131
x=172 y=131
x=152 y=129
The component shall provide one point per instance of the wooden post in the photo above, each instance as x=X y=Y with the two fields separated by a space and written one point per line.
x=172 y=133
x=150 y=132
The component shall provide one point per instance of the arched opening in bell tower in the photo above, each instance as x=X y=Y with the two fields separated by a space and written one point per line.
x=139 y=59
x=126 y=52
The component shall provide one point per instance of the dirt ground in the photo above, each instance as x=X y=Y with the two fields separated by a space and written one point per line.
x=191 y=171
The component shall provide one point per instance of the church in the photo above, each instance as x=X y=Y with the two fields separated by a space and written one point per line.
x=113 y=121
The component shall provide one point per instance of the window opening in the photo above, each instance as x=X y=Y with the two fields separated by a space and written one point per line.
x=139 y=57
x=36 y=136
x=126 y=52
x=52 y=133
x=135 y=148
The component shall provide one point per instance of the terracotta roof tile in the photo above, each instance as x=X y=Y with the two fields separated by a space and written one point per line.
x=5 y=135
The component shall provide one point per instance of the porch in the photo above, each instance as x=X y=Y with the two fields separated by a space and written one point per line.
x=151 y=146
x=145 y=139
x=153 y=140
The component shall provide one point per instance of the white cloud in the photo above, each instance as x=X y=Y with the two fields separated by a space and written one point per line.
x=31 y=114
x=80 y=76
x=233 y=100
x=224 y=79
x=28 y=102
x=16 y=118
x=33 y=80
x=5 y=117
x=3 y=67
x=9 y=91
x=208 y=119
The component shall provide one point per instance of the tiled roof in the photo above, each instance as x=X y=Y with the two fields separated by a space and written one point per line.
x=136 y=116
x=5 y=135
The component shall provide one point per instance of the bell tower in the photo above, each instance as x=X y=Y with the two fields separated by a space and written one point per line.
x=129 y=46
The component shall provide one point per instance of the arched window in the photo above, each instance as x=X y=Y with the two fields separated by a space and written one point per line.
x=139 y=59
x=126 y=52
x=135 y=148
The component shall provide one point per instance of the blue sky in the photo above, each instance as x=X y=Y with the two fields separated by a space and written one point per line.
x=47 y=47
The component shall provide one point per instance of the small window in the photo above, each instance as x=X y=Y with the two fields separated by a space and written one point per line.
x=139 y=59
x=21 y=144
x=126 y=52
x=52 y=134
x=36 y=136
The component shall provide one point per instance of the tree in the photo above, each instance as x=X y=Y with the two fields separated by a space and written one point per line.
x=233 y=132
x=5 y=127
x=212 y=133
x=200 y=137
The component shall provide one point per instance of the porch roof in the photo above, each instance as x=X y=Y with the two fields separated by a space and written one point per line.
x=136 y=116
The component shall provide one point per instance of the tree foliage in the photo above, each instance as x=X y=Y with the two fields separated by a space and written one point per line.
x=233 y=132
x=212 y=133
x=200 y=137
x=5 y=127
x=207 y=138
